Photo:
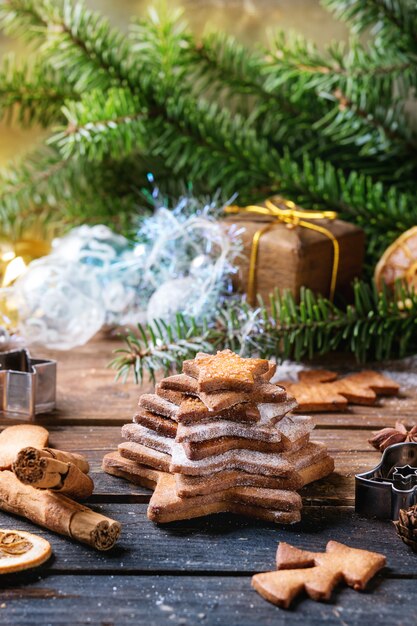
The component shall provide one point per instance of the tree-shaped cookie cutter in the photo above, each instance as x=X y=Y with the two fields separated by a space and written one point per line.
x=27 y=385
x=391 y=485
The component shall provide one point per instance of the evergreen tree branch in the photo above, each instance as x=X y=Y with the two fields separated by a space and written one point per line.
x=101 y=125
x=294 y=94
x=394 y=21
x=32 y=94
x=378 y=325
x=74 y=40
x=40 y=190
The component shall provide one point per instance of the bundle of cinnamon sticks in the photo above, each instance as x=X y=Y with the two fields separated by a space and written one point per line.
x=38 y=482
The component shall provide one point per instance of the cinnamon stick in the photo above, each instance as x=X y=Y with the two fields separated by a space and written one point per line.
x=14 y=438
x=61 y=471
x=57 y=513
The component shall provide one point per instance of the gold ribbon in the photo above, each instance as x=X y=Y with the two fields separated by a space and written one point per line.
x=292 y=216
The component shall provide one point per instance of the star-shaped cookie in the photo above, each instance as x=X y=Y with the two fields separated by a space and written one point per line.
x=272 y=505
x=225 y=370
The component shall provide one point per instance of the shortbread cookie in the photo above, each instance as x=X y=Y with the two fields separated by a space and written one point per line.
x=193 y=410
x=225 y=370
x=317 y=470
x=158 y=423
x=176 y=397
x=117 y=465
x=322 y=390
x=292 y=427
x=204 y=449
x=268 y=504
x=269 y=463
x=220 y=400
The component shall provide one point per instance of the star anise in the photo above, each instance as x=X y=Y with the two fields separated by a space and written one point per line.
x=388 y=436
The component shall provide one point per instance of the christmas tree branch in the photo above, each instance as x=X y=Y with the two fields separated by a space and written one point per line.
x=378 y=325
x=157 y=97
x=395 y=21
x=72 y=38
x=34 y=93
x=160 y=347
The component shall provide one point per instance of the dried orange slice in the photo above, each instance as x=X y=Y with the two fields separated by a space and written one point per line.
x=20 y=550
x=399 y=261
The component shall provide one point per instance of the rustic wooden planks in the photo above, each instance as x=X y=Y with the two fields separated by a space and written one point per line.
x=219 y=543
x=194 y=600
x=198 y=571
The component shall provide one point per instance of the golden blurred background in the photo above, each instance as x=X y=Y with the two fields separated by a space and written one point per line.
x=251 y=21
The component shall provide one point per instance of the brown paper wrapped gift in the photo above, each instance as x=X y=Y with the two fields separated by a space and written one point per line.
x=294 y=248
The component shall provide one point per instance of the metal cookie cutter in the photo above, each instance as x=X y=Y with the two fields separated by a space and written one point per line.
x=391 y=485
x=27 y=386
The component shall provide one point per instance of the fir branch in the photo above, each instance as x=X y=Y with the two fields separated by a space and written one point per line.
x=294 y=96
x=335 y=154
x=74 y=40
x=225 y=68
x=160 y=347
x=351 y=67
x=22 y=18
x=33 y=94
x=40 y=190
x=369 y=87
x=394 y=21
x=163 y=48
x=101 y=125
x=378 y=325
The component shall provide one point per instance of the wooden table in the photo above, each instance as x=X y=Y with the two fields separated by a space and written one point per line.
x=199 y=572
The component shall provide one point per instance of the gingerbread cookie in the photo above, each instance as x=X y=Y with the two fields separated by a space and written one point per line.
x=220 y=400
x=166 y=506
x=315 y=572
x=321 y=390
x=220 y=437
x=147 y=437
x=225 y=370
x=188 y=486
x=158 y=423
x=193 y=410
x=264 y=430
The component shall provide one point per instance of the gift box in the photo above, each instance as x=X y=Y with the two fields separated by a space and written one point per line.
x=287 y=247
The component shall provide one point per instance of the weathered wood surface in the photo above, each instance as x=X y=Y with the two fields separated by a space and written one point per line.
x=194 y=600
x=199 y=571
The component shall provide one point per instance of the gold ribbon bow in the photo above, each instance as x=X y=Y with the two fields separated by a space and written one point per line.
x=292 y=216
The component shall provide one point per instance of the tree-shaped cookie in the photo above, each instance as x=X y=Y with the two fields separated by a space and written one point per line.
x=321 y=390
x=317 y=573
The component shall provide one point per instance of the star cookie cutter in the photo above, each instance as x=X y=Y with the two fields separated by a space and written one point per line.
x=391 y=485
x=27 y=385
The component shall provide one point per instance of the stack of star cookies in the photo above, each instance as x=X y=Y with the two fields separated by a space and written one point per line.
x=220 y=437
